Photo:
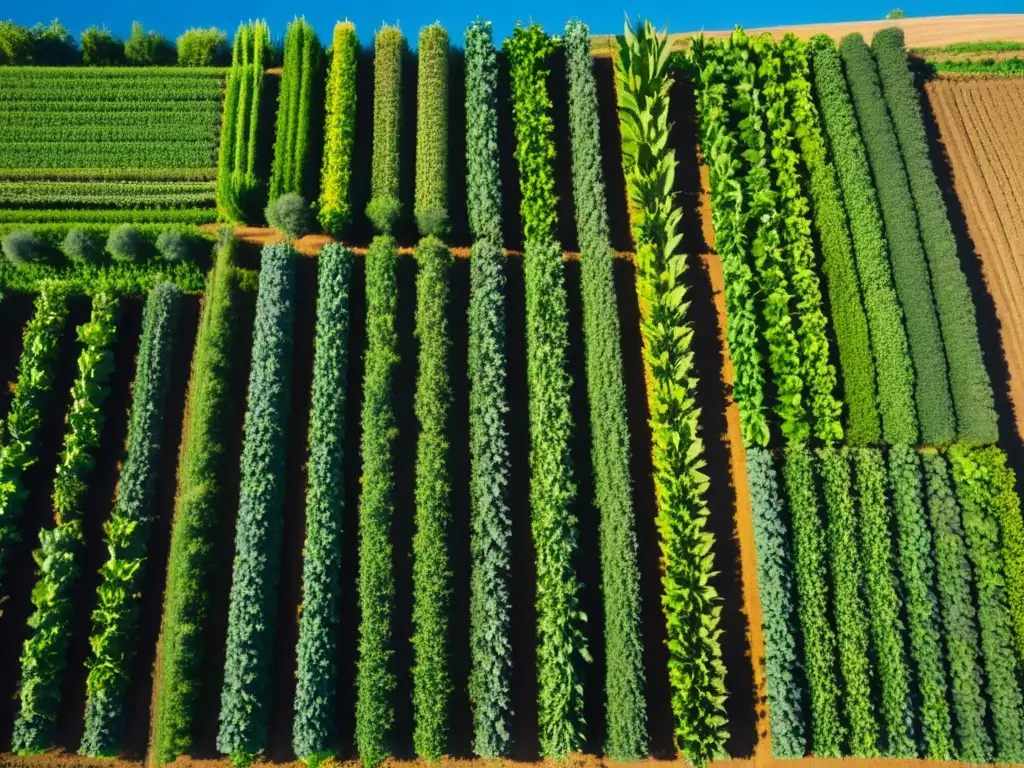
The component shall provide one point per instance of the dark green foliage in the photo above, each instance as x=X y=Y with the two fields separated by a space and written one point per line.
x=375 y=678
x=83 y=246
x=385 y=207
x=246 y=694
x=885 y=319
x=917 y=571
x=289 y=215
x=813 y=599
x=528 y=51
x=44 y=655
x=197 y=512
x=777 y=593
x=561 y=643
x=101 y=49
x=432 y=132
x=909 y=265
x=315 y=731
x=431 y=575
x=968 y=379
x=127 y=244
x=852 y=630
x=203 y=48
x=883 y=601
x=22 y=247
x=483 y=180
x=148 y=49
x=115 y=620
x=490 y=612
x=626 y=706
x=339 y=130
x=52 y=45
x=959 y=621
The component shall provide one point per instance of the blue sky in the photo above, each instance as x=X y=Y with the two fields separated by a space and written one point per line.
x=170 y=17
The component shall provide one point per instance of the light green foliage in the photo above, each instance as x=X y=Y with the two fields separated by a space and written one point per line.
x=690 y=603
x=339 y=131
x=203 y=48
x=148 y=49
x=385 y=207
x=375 y=678
x=483 y=179
x=885 y=319
x=115 y=618
x=968 y=379
x=315 y=730
x=432 y=132
x=909 y=265
x=44 y=655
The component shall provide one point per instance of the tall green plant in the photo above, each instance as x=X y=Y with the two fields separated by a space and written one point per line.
x=385 y=207
x=432 y=132
x=335 y=207
x=483 y=178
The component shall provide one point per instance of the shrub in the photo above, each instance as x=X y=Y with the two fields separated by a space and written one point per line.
x=289 y=215
x=22 y=247
x=968 y=379
x=126 y=243
x=174 y=245
x=314 y=731
x=888 y=336
x=203 y=48
x=483 y=176
x=432 y=132
x=115 y=618
x=431 y=575
x=626 y=708
x=82 y=246
x=101 y=49
x=909 y=266
x=148 y=49
x=490 y=607
x=385 y=207
x=44 y=654
x=52 y=45
x=375 y=676
x=15 y=44
x=777 y=593
x=813 y=601
x=339 y=131
x=246 y=694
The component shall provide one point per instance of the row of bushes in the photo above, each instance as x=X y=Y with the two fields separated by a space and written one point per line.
x=315 y=730
x=483 y=174
x=692 y=614
x=44 y=655
x=385 y=206
x=245 y=696
x=335 y=206
x=969 y=382
x=115 y=618
x=625 y=703
x=125 y=243
x=200 y=497
x=431 y=207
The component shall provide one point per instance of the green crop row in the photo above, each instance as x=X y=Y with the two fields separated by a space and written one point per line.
x=314 y=732
x=968 y=379
x=44 y=655
x=100 y=131
x=110 y=153
x=201 y=494
x=36 y=218
x=199 y=117
x=335 y=207
x=115 y=618
x=692 y=613
x=432 y=132
x=985 y=65
x=483 y=176
x=626 y=706
x=385 y=206
x=106 y=194
x=375 y=676
x=108 y=174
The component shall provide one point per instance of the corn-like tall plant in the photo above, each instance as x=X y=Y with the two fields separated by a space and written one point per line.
x=432 y=132
x=339 y=131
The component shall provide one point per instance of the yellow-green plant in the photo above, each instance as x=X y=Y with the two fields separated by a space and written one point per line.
x=432 y=132
x=339 y=131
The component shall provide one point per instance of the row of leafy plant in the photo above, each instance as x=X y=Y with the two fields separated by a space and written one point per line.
x=431 y=207
x=385 y=207
x=335 y=205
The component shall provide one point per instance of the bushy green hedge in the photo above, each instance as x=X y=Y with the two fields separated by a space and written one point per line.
x=335 y=207
x=626 y=707
x=528 y=51
x=777 y=593
x=483 y=175
x=385 y=206
x=959 y=619
x=490 y=615
x=44 y=654
x=375 y=677
x=852 y=625
x=885 y=319
x=252 y=613
x=969 y=381
x=917 y=571
x=115 y=619
x=197 y=512
x=315 y=729
x=432 y=132
x=431 y=575
x=32 y=392
x=849 y=320
x=909 y=265
x=883 y=601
